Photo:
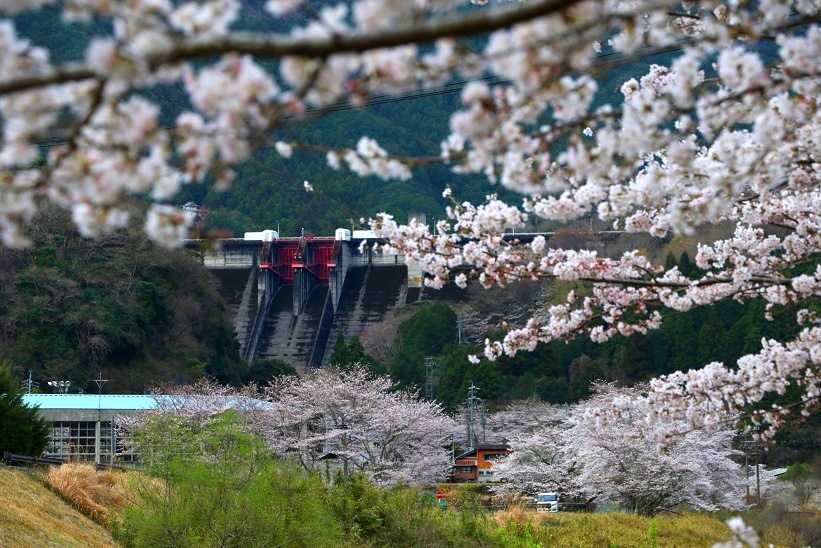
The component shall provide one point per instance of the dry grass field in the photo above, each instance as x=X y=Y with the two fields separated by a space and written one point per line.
x=31 y=515
x=97 y=494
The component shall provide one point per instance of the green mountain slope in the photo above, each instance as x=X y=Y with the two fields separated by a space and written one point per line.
x=70 y=307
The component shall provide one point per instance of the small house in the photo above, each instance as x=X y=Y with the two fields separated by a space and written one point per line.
x=476 y=464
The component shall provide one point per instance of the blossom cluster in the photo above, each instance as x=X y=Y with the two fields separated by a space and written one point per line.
x=368 y=158
x=564 y=449
x=360 y=421
x=716 y=395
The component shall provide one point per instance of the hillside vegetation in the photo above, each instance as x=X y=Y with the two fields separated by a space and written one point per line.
x=70 y=307
x=32 y=515
x=282 y=504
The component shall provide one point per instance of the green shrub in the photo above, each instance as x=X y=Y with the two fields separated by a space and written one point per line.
x=403 y=516
x=232 y=494
x=804 y=484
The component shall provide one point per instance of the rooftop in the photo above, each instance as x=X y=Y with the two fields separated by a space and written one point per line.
x=133 y=402
x=485 y=446
x=120 y=402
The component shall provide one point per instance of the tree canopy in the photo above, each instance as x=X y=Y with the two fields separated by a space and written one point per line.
x=22 y=431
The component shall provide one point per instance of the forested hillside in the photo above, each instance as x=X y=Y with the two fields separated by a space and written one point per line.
x=72 y=307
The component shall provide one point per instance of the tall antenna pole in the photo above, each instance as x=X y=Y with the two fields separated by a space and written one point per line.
x=99 y=381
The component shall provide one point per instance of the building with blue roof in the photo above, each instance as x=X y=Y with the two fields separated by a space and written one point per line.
x=82 y=424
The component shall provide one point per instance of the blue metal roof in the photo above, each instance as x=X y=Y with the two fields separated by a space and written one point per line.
x=121 y=402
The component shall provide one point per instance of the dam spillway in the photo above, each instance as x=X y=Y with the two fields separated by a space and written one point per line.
x=291 y=299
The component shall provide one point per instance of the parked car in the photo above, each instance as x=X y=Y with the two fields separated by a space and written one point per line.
x=547 y=502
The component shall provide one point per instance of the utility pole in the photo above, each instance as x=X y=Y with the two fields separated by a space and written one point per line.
x=474 y=413
x=430 y=372
x=29 y=385
x=757 y=477
x=99 y=381
x=753 y=448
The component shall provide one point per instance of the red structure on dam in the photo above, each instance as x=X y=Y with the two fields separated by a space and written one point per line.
x=286 y=256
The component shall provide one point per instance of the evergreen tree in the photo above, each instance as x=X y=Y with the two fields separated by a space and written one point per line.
x=686 y=266
x=427 y=333
x=453 y=365
x=262 y=372
x=683 y=333
x=487 y=378
x=583 y=371
x=734 y=339
x=631 y=360
x=710 y=338
x=22 y=431
x=348 y=354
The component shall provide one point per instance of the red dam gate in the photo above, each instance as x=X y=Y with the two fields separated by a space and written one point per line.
x=286 y=256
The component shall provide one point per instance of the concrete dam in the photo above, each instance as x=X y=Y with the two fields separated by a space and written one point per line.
x=292 y=298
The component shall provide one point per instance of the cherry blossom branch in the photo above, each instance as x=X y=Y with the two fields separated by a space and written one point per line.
x=705 y=282
x=62 y=75
x=280 y=46
x=265 y=45
x=428 y=31
x=97 y=96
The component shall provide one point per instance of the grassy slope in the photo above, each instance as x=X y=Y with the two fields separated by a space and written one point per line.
x=32 y=515
x=620 y=529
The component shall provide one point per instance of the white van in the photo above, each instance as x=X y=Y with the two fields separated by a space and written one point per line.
x=547 y=502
